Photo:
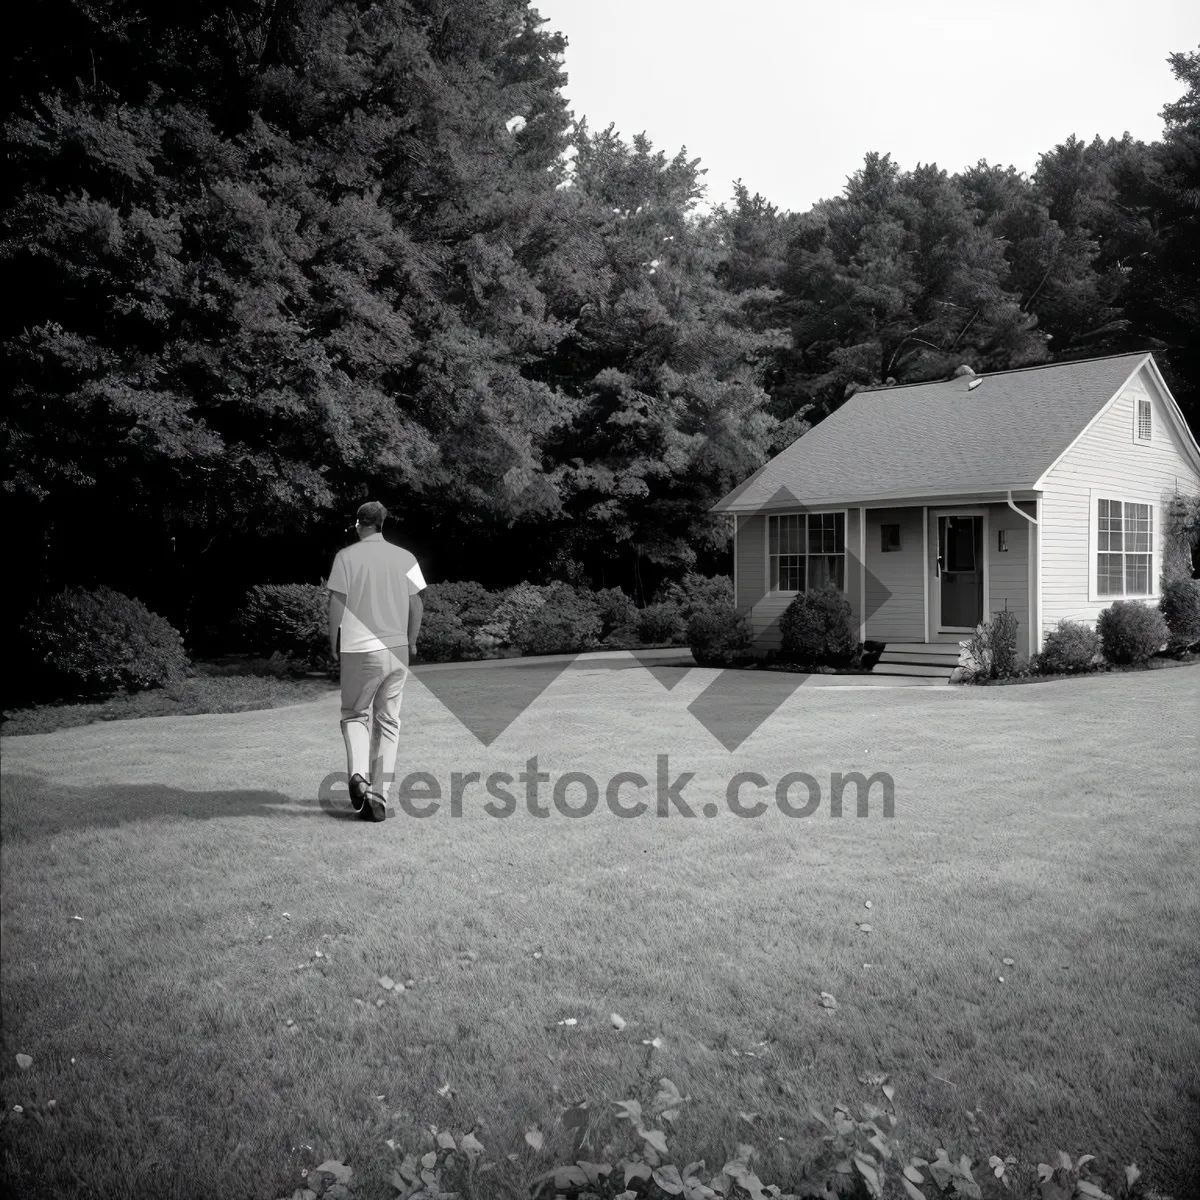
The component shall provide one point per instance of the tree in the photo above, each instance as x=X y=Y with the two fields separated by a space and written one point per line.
x=894 y=281
x=1162 y=287
x=292 y=258
x=666 y=362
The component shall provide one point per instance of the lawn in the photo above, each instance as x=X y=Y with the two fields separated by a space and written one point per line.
x=195 y=1044
x=211 y=690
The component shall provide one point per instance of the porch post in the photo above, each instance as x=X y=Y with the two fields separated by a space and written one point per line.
x=862 y=573
x=735 y=558
x=925 y=568
x=1035 y=582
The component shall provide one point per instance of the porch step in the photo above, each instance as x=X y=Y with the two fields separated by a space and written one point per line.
x=918 y=658
x=924 y=670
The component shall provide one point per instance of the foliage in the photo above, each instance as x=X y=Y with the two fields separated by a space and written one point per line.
x=1069 y=647
x=660 y=624
x=1003 y=638
x=991 y=650
x=1181 y=537
x=618 y=616
x=719 y=636
x=975 y=654
x=856 y=1156
x=696 y=593
x=291 y=619
x=1131 y=632
x=444 y=637
x=1180 y=607
x=567 y=621
x=97 y=642
x=457 y=621
x=816 y=629
x=516 y=607
x=274 y=257
x=471 y=602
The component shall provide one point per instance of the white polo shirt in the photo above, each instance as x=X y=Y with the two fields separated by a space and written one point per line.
x=376 y=578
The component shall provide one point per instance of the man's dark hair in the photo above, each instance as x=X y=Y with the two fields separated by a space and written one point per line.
x=372 y=513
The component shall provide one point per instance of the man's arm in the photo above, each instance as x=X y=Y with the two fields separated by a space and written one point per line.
x=416 y=610
x=337 y=606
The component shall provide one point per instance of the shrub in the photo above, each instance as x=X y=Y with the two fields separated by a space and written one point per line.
x=1131 y=632
x=568 y=621
x=287 y=618
x=659 y=623
x=465 y=599
x=1069 y=647
x=1180 y=607
x=975 y=654
x=513 y=611
x=1181 y=536
x=456 y=621
x=1002 y=633
x=991 y=651
x=443 y=638
x=718 y=636
x=696 y=593
x=96 y=642
x=816 y=629
x=618 y=616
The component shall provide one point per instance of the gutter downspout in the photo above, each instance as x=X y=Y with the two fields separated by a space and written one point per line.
x=1031 y=520
x=1033 y=560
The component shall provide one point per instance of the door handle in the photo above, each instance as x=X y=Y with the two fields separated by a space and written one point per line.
x=939 y=567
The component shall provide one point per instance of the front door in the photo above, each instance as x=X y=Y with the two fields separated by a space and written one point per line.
x=959 y=571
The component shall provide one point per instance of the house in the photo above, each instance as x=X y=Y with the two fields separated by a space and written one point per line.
x=935 y=505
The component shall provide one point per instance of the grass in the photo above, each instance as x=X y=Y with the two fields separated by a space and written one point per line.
x=215 y=689
x=1054 y=825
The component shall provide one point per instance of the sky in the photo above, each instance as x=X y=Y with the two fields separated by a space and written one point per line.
x=790 y=95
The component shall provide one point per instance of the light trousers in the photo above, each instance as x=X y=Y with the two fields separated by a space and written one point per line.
x=372 y=689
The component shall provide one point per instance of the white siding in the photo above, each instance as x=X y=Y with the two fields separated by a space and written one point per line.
x=1108 y=460
x=895 y=580
x=751 y=560
x=1008 y=571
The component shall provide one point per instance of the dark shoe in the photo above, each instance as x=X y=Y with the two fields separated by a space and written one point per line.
x=358 y=792
x=376 y=806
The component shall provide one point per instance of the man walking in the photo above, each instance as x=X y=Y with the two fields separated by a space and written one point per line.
x=375 y=605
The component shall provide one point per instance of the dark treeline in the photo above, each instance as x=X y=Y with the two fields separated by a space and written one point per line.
x=270 y=258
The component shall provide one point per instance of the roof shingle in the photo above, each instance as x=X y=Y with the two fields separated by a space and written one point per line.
x=938 y=438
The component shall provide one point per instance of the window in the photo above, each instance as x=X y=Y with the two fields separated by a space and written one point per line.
x=1123 y=548
x=1145 y=420
x=890 y=537
x=806 y=551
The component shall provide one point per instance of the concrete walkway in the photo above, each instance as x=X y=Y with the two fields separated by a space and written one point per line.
x=667 y=657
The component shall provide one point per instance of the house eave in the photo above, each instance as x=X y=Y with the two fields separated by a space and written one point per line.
x=991 y=495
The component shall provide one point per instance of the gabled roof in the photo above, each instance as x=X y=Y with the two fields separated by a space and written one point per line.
x=940 y=438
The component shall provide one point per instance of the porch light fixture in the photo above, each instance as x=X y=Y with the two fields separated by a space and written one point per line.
x=1003 y=545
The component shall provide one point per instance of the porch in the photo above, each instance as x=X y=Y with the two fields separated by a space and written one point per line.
x=921 y=574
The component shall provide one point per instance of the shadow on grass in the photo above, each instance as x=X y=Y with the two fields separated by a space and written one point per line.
x=33 y=809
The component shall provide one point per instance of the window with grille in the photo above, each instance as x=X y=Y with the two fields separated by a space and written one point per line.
x=806 y=551
x=1145 y=420
x=1123 y=549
